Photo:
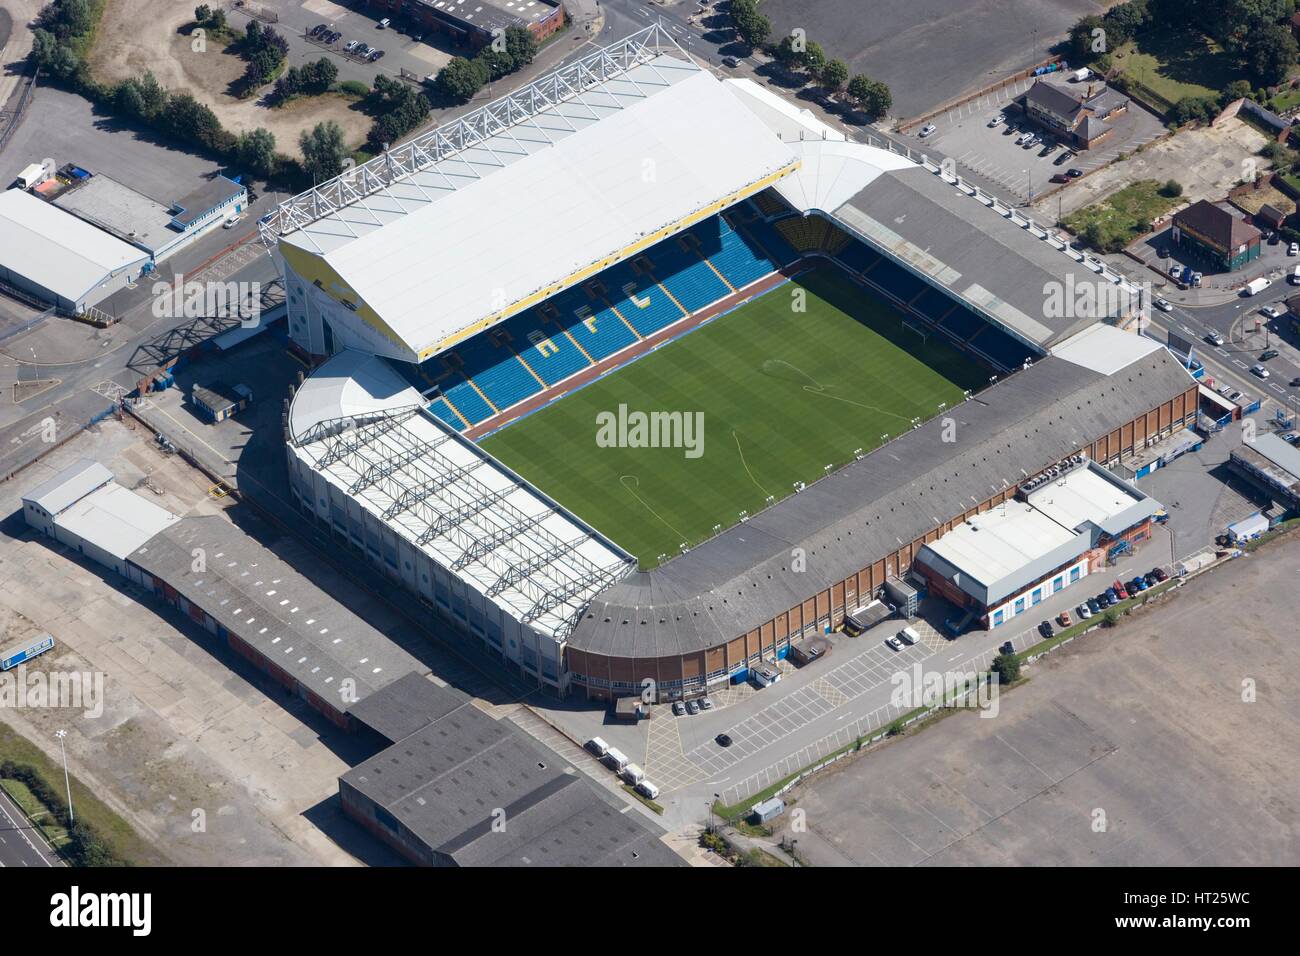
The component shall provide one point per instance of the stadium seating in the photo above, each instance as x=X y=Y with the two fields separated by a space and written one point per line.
x=440 y=408
x=552 y=355
x=857 y=257
x=896 y=280
x=685 y=275
x=961 y=323
x=468 y=402
x=655 y=310
x=738 y=258
x=603 y=333
x=771 y=241
x=999 y=348
x=770 y=204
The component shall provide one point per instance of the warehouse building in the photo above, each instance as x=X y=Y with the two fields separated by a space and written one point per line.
x=1272 y=464
x=52 y=255
x=84 y=508
x=1065 y=524
x=157 y=228
x=474 y=23
x=459 y=788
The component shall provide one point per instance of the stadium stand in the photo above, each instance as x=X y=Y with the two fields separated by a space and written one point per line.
x=769 y=204
x=739 y=259
x=686 y=277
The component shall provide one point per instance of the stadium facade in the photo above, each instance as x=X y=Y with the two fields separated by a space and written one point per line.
x=494 y=263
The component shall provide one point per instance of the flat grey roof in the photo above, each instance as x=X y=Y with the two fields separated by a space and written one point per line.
x=742 y=578
x=997 y=267
x=277 y=611
x=130 y=215
x=210 y=194
x=449 y=780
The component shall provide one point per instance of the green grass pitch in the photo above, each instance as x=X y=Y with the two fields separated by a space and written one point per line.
x=783 y=394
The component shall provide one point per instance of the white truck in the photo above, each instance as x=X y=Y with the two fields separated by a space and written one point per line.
x=1256 y=286
x=615 y=760
x=633 y=774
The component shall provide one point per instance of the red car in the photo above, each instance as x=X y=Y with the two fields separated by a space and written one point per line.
x=1120 y=590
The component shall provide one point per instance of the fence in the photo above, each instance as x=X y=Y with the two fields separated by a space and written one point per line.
x=21 y=108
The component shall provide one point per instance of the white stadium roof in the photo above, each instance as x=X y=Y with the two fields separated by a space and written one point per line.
x=444 y=496
x=475 y=233
x=57 y=251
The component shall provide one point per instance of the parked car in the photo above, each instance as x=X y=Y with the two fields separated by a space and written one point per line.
x=706 y=703
x=692 y=707
x=893 y=643
x=317 y=30
x=1064 y=158
x=1093 y=606
x=679 y=708
x=1214 y=338
x=375 y=55
x=724 y=740
x=1120 y=590
x=1295 y=382
x=997 y=120
x=232 y=221
x=1271 y=311
x=730 y=61
x=1045 y=629
x=1074 y=173
x=1160 y=574
x=1293 y=249
x=1064 y=619
x=1083 y=611
x=1059 y=178
x=1268 y=354
x=351 y=45
x=1196 y=279
x=927 y=130
x=383 y=24
x=1112 y=597
x=1031 y=142
x=1259 y=371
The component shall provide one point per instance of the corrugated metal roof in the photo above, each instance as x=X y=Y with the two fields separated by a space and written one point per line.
x=69 y=486
x=115 y=520
x=56 y=250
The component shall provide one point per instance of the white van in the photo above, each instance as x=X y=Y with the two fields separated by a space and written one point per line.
x=633 y=774
x=647 y=789
x=1295 y=276
x=598 y=746
x=615 y=760
x=1256 y=286
x=909 y=636
x=1081 y=75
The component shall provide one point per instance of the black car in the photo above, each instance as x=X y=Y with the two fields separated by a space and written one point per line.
x=1268 y=354
x=723 y=740
x=1104 y=601
x=1160 y=574
x=1045 y=629
x=1063 y=158
x=1151 y=579
x=1093 y=606
x=1007 y=648
x=1074 y=173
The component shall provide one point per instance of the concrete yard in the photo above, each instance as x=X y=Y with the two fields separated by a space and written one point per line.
x=930 y=51
x=1127 y=747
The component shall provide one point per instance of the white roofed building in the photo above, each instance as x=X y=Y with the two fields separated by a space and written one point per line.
x=52 y=255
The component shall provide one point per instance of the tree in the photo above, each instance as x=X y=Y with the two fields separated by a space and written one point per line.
x=255 y=152
x=834 y=75
x=187 y=119
x=1172 y=189
x=1084 y=43
x=1270 y=53
x=460 y=79
x=1190 y=109
x=318 y=76
x=872 y=96
x=202 y=14
x=521 y=45
x=1007 y=667
x=497 y=62
x=814 y=59
x=785 y=52
x=751 y=26
x=323 y=151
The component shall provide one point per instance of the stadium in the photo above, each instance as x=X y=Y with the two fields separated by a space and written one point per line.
x=860 y=336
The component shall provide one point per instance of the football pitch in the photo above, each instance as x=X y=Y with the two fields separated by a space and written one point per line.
x=768 y=395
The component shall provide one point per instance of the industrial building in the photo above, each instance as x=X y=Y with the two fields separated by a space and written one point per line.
x=459 y=788
x=1271 y=464
x=451 y=786
x=84 y=508
x=1217 y=234
x=52 y=255
x=160 y=229
x=474 y=23
x=1064 y=524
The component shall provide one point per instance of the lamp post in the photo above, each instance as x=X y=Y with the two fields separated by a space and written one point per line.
x=66 y=781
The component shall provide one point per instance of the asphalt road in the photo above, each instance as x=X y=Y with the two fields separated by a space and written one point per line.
x=20 y=844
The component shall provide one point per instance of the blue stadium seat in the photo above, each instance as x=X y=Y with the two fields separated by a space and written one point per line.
x=547 y=351
x=440 y=408
x=654 y=311
x=686 y=276
x=495 y=370
x=463 y=396
x=740 y=259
